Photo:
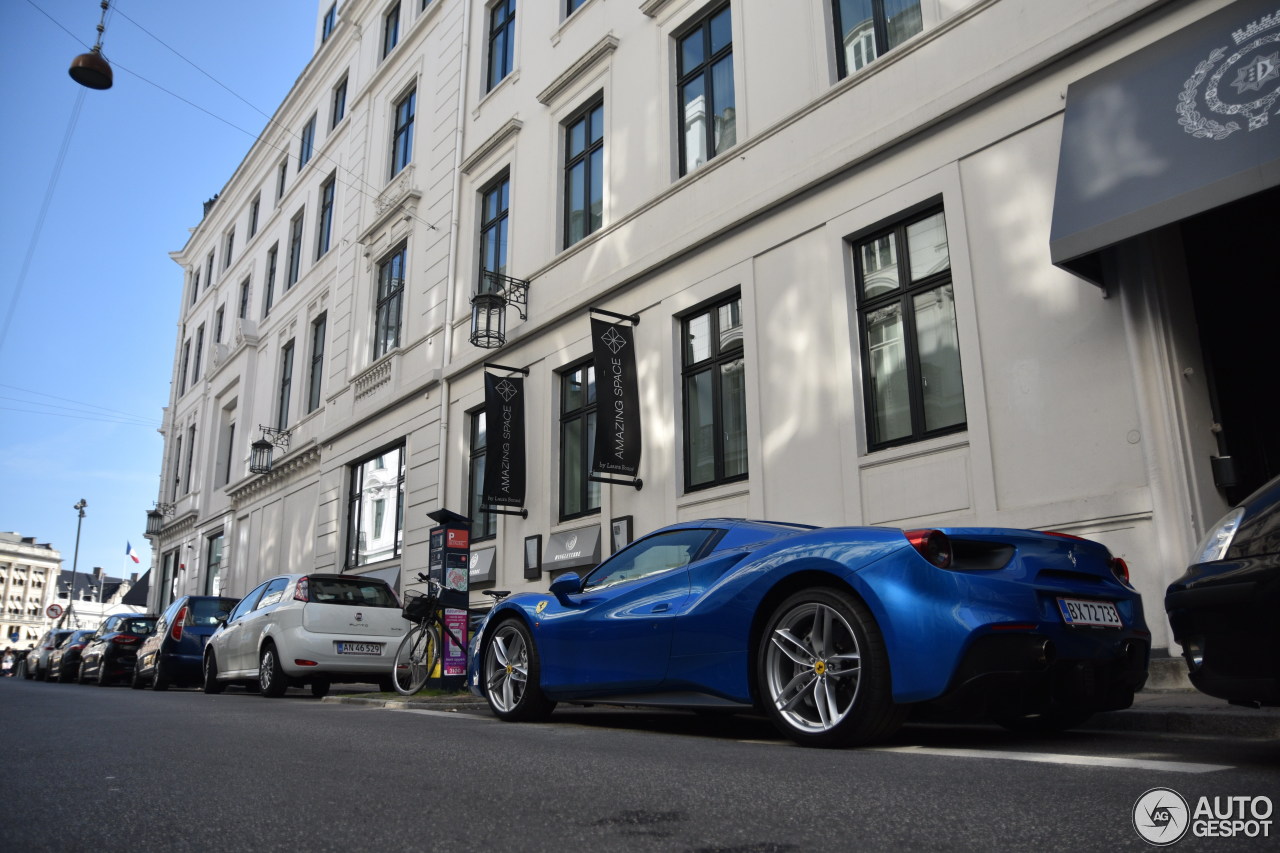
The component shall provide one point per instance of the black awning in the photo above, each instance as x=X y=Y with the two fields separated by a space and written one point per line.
x=1180 y=127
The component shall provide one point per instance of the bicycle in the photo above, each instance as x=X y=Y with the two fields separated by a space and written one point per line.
x=419 y=652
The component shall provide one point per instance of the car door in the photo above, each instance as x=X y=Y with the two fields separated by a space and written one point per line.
x=228 y=642
x=615 y=635
x=91 y=657
x=254 y=623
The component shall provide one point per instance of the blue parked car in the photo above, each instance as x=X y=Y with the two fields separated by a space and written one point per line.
x=834 y=632
x=174 y=653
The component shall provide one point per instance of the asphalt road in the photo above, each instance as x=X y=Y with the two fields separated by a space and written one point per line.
x=104 y=770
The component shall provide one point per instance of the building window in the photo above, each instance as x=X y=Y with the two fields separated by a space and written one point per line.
x=244 y=299
x=571 y=6
x=374 y=482
x=219 y=319
x=269 y=292
x=195 y=364
x=213 y=563
x=254 y=207
x=390 y=30
x=191 y=455
x=705 y=90
x=295 y=250
x=177 y=468
x=338 y=107
x=494 y=214
x=195 y=285
x=226 y=445
x=402 y=133
x=286 y=386
x=907 y=321
x=208 y=271
x=865 y=29
x=307 y=146
x=282 y=176
x=231 y=242
x=584 y=174
x=330 y=21
x=484 y=525
x=186 y=365
x=386 y=320
x=502 y=37
x=715 y=407
x=325 y=227
x=578 y=495
x=316 y=374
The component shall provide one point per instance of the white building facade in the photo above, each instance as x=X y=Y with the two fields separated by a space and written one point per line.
x=876 y=255
x=28 y=582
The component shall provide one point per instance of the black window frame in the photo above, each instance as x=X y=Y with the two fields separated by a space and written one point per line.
x=903 y=295
x=229 y=248
x=390 y=30
x=718 y=357
x=191 y=456
x=219 y=320
x=209 y=268
x=703 y=70
x=269 y=288
x=198 y=355
x=195 y=284
x=484 y=525
x=880 y=34
x=244 y=298
x=286 y=385
x=319 y=328
x=330 y=21
x=307 y=142
x=585 y=491
x=324 y=227
x=186 y=366
x=497 y=222
x=254 y=207
x=296 y=228
x=355 y=475
x=210 y=577
x=282 y=179
x=389 y=300
x=404 y=114
x=591 y=147
x=500 y=58
x=338 y=103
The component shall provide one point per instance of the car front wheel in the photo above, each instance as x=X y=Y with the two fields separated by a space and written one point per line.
x=511 y=671
x=271 y=676
x=823 y=672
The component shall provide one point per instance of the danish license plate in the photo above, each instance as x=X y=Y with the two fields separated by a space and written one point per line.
x=359 y=648
x=1077 y=611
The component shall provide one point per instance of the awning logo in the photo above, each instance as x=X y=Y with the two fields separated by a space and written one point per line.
x=1255 y=66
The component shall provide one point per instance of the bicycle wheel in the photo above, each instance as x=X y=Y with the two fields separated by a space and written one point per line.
x=415 y=658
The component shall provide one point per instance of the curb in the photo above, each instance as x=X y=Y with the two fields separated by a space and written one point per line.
x=400 y=703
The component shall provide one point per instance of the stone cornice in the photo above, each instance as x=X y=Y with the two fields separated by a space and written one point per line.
x=286 y=470
x=493 y=143
x=575 y=72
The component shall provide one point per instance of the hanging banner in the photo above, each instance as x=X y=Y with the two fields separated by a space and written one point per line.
x=617 y=399
x=504 y=465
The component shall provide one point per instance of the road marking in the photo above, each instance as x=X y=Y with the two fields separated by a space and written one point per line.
x=1056 y=758
x=454 y=714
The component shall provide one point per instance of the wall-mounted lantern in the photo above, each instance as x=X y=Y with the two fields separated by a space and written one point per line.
x=489 y=308
x=156 y=516
x=260 y=450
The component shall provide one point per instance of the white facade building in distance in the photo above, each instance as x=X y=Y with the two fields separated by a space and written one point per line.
x=28 y=575
x=946 y=262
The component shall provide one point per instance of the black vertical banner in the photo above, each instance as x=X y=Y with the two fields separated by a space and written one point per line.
x=617 y=399
x=504 y=463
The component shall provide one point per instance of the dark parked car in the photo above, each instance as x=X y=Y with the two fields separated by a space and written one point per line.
x=1223 y=610
x=113 y=649
x=38 y=660
x=174 y=653
x=64 y=661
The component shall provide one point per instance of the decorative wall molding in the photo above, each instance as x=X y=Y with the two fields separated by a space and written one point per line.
x=377 y=375
x=292 y=467
x=579 y=69
x=493 y=143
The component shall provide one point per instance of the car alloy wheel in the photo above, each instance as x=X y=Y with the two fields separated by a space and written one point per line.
x=824 y=673
x=510 y=671
x=271 y=676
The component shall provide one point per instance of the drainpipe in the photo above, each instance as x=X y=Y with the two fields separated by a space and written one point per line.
x=459 y=135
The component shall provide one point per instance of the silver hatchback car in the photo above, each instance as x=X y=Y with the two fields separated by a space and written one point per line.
x=307 y=630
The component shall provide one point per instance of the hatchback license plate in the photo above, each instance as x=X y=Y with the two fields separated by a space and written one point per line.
x=1077 y=611
x=359 y=648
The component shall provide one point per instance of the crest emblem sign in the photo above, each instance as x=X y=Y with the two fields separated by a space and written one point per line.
x=1238 y=83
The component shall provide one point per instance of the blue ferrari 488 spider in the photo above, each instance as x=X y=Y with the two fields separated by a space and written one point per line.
x=835 y=633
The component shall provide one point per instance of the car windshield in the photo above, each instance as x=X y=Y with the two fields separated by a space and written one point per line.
x=205 y=611
x=141 y=627
x=363 y=592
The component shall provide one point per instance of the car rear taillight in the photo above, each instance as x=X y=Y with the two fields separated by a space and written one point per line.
x=301 y=591
x=176 y=631
x=1120 y=569
x=124 y=640
x=78 y=647
x=304 y=662
x=933 y=545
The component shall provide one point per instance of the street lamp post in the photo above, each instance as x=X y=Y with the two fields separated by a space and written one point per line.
x=75 y=562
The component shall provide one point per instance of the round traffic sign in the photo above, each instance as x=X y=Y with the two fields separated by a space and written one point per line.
x=53 y=611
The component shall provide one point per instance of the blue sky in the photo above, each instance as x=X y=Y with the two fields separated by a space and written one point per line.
x=87 y=287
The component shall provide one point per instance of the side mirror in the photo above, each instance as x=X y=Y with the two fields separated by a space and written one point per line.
x=221 y=617
x=567 y=584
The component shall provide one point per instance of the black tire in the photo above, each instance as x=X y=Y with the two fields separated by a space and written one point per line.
x=320 y=687
x=386 y=684
x=416 y=657
x=822 y=671
x=135 y=680
x=159 y=681
x=103 y=680
x=211 y=683
x=510 y=671
x=81 y=678
x=271 y=677
x=1051 y=721
x=64 y=677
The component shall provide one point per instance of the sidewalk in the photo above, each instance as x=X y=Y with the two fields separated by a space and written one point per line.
x=1169 y=706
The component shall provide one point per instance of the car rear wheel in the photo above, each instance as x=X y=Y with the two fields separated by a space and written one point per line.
x=135 y=680
x=271 y=676
x=64 y=675
x=823 y=672
x=211 y=682
x=159 y=681
x=511 y=670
